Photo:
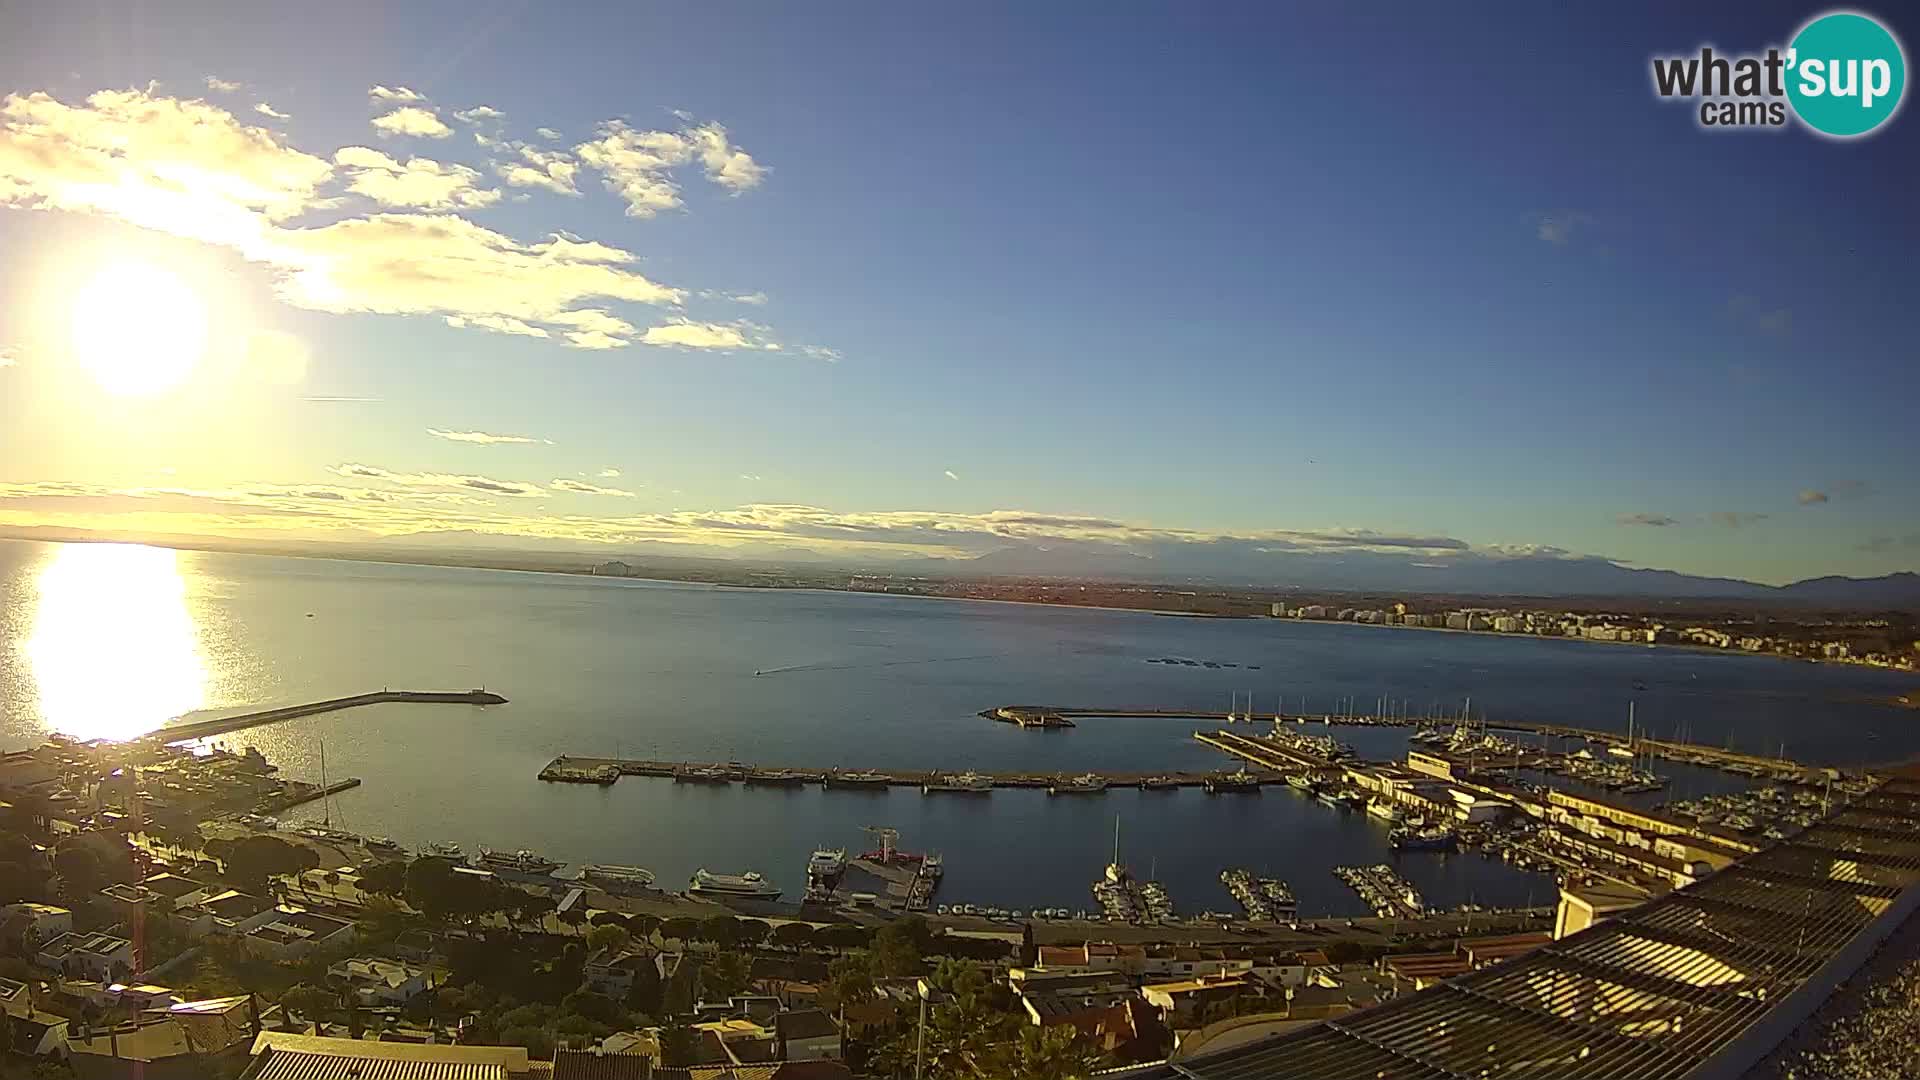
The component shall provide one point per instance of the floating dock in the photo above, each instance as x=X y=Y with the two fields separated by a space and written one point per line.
x=589 y=770
x=201 y=729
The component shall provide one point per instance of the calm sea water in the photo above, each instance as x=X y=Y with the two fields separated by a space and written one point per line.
x=100 y=640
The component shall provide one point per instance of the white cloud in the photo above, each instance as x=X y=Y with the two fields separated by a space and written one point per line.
x=499 y=324
x=751 y=476
x=951 y=475
x=191 y=169
x=485 y=485
x=8 y=357
x=485 y=438
x=552 y=170
x=401 y=93
x=637 y=165
x=609 y=473
x=548 y=134
x=595 y=339
x=269 y=111
x=757 y=299
x=821 y=352
x=182 y=167
x=478 y=114
x=412 y=120
x=687 y=334
x=221 y=86
x=581 y=487
x=422 y=182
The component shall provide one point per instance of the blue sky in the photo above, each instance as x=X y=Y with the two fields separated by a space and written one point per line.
x=1239 y=272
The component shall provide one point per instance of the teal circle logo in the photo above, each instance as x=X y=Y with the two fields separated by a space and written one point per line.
x=1846 y=74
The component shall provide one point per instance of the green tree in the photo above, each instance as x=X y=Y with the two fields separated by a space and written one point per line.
x=793 y=935
x=643 y=926
x=79 y=870
x=679 y=928
x=308 y=1000
x=752 y=932
x=849 y=982
x=645 y=995
x=252 y=862
x=1054 y=1052
x=539 y=1044
x=607 y=918
x=385 y=879
x=729 y=974
x=676 y=1043
x=610 y=936
x=899 y=948
x=722 y=930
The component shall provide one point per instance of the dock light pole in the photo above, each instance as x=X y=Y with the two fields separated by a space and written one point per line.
x=927 y=994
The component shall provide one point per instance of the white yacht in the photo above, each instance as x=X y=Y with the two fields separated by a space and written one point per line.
x=747 y=886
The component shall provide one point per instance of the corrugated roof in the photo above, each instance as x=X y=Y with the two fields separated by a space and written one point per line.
x=280 y=1056
x=1651 y=994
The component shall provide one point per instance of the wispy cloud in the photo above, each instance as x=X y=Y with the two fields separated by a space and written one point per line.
x=581 y=487
x=421 y=183
x=395 y=93
x=1734 y=519
x=439 y=481
x=479 y=114
x=1660 y=521
x=751 y=476
x=688 y=334
x=485 y=438
x=609 y=473
x=412 y=120
x=951 y=475
x=8 y=356
x=269 y=111
x=1811 y=497
x=221 y=86
x=1559 y=227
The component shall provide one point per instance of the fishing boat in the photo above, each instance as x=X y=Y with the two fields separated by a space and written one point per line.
x=444 y=849
x=775 y=778
x=859 y=780
x=617 y=874
x=1408 y=839
x=1384 y=810
x=521 y=861
x=966 y=783
x=708 y=774
x=1240 y=781
x=1085 y=784
x=1159 y=783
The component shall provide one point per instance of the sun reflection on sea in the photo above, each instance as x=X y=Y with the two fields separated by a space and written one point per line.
x=115 y=650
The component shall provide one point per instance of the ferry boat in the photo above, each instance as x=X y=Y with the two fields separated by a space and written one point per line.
x=1086 y=784
x=747 y=886
x=824 y=869
x=1240 y=781
x=617 y=874
x=1385 y=810
x=1159 y=783
x=861 y=780
x=522 y=861
x=966 y=783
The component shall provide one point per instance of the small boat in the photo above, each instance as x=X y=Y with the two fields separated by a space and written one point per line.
x=613 y=872
x=1302 y=782
x=1240 y=782
x=747 y=886
x=860 y=780
x=1386 y=811
x=382 y=843
x=931 y=866
x=966 y=783
x=1405 y=839
x=521 y=861
x=775 y=778
x=1159 y=783
x=711 y=774
x=1085 y=784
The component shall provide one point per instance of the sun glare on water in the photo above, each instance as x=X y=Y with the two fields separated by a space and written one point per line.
x=115 y=650
x=138 y=328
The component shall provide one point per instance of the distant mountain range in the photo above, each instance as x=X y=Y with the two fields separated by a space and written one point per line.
x=1236 y=564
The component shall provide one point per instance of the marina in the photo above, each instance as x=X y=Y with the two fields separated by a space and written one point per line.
x=581 y=770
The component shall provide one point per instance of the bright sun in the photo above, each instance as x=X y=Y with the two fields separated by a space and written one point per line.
x=137 y=328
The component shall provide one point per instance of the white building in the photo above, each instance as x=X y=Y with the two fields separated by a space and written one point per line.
x=101 y=956
x=381 y=982
x=44 y=922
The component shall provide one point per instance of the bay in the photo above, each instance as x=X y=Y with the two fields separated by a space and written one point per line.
x=112 y=640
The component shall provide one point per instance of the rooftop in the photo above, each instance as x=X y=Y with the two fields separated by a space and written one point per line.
x=1654 y=993
x=310 y=1057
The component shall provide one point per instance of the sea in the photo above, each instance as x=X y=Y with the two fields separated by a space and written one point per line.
x=111 y=641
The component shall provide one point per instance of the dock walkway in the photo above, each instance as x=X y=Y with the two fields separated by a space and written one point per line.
x=220 y=725
x=595 y=770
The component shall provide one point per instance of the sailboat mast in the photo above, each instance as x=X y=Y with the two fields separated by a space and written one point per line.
x=326 y=800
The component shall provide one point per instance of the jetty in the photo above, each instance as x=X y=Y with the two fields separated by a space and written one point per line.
x=221 y=725
x=601 y=771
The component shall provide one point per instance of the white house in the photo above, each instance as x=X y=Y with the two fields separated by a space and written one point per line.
x=612 y=974
x=102 y=956
x=381 y=982
x=44 y=921
x=229 y=912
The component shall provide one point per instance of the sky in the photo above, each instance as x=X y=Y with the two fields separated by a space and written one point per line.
x=878 y=281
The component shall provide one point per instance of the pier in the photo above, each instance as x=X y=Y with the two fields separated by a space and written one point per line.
x=601 y=771
x=1692 y=753
x=201 y=729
